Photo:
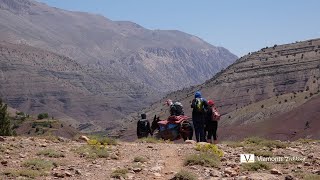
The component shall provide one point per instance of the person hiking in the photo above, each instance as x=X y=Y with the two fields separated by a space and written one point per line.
x=143 y=127
x=199 y=106
x=212 y=118
x=176 y=108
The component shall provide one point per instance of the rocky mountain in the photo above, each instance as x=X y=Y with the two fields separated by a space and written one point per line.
x=162 y=60
x=121 y=64
x=36 y=81
x=258 y=88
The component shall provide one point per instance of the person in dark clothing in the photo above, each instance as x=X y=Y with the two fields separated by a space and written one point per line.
x=199 y=106
x=212 y=117
x=176 y=108
x=143 y=127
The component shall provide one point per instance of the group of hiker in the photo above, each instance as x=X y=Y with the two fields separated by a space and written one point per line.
x=205 y=117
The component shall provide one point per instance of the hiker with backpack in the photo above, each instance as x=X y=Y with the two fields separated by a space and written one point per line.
x=143 y=127
x=212 y=118
x=176 y=108
x=199 y=106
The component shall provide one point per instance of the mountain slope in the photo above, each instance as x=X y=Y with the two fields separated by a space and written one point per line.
x=258 y=86
x=102 y=69
x=162 y=60
x=36 y=81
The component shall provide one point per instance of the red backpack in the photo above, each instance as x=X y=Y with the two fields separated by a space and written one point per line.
x=215 y=114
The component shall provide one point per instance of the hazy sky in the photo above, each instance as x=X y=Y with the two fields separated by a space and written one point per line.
x=241 y=26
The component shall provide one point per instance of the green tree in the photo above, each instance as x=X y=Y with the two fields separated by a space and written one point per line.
x=5 y=125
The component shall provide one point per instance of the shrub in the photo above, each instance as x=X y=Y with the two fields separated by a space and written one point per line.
x=266 y=143
x=39 y=164
x=139 y=159
x=234 y=144
x=100 y=140
x=257 y=152
x=210 y=148
x=43 y=116
x=51 y=153
x=255 y=166
x=119 y=173
x=93 y=152
x=184 y=175
x=311 y=177
x=203 y=159
x=22 y=172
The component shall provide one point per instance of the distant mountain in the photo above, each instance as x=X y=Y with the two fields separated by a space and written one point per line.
x=258 y=88
x=163 y=60
x=121 y=64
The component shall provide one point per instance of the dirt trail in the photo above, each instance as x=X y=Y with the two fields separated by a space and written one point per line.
x=173 y=161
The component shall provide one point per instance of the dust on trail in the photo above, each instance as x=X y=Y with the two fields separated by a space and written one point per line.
x=173 y=162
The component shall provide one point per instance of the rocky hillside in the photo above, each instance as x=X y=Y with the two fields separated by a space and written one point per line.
x=37 y=81
x=60 y=158
x=161 y=60
x=260 y=86
x=90 y=70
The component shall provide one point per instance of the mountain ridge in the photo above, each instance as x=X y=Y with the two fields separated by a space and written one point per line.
x=126 y=62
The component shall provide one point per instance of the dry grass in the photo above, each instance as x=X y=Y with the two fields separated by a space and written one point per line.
x=140 y=159
x=119 y=173
x=203 y=159
x=51 y=153
x=93 y=152
x=22 y=172
x=255 y=166
x=257 y=141
x=39 y=164
x=184 y=175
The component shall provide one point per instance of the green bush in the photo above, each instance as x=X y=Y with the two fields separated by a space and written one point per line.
x=203 y=159
x=184 y=175
x=43 y=116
